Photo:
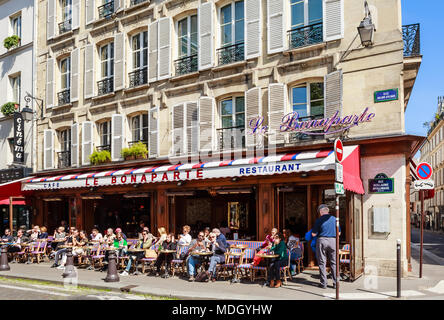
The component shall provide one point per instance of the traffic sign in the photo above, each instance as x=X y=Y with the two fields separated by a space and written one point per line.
x=339 y=150
x=339 y=172
x=424 y=184
x=339 y=187
x=424 y=170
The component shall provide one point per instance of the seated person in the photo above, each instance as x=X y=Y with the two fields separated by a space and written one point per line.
x=43 y=233
x=21 y=238
x=295 y=250
x=144 y=243
x=79 y=243
x=61 y=253
x=59 y=234
x=162 y=236
x=34 y=233
x=269 y=239
x=198 y=244
x=123 y=235
x=121 y=244
x=185 y=237
x=109 y=237
x=7 y=237
x=168 y=244
x=280 y=249
x=218 y=247
x=96 y=235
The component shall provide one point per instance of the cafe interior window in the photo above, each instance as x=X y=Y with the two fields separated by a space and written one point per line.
x=308 y=100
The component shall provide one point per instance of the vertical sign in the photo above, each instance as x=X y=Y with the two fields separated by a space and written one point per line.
x=19 y=143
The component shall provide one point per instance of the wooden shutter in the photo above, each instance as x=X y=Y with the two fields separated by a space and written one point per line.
x=75 y=65
x=75 y=145
x=253 y=109
x=205 y=27
x=152 y=51
x=192 y=127
x=164 y=61
x=253 y=34
x=87 y=141
x=333 y=24
x=50 y=75
x=119 y=61
x=75 y=14
x=116 y=136
x=90 y=13
x=277 y=100
x=178 y=136
x=153 y=132
x=48 y=154
x=51 y=19
x=89 y=71
x=206 y=123
x=275 y=26
x=333 y=94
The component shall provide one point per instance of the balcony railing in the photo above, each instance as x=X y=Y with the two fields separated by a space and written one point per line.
x=65 y=26
x=64 y=97
x=305 y=36
x=106 y=147
x=186 y=65
x=136 y=2
x=105 y=86
x=64 y=159
x=138 y=77
x=410 y=35
x=106 y=10
x=232 y=138
x=145 y=142
x=231 y=53
x=314 y=134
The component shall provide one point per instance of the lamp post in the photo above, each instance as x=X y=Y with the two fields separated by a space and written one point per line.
x=366 y=28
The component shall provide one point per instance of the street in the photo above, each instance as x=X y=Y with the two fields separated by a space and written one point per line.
x=433 y=242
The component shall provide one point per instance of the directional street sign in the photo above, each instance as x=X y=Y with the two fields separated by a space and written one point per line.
x=424 y=184
x=424 y=170
x=339 y=173
x=339 y=187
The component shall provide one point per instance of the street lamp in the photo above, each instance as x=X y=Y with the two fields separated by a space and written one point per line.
x=27 y=111
x=366 y=28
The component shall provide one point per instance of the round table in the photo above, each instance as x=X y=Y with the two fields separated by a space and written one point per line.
x=267 y=258
x=205 y=255
x=134 y=250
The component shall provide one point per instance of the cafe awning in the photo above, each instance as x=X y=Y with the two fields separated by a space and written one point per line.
x=13 y=189
x=318 y=160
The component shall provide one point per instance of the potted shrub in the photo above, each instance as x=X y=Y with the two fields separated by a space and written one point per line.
x=97 y=157
x=8 y=108
x=126 y=154
x=11 y=42
x=139 y=150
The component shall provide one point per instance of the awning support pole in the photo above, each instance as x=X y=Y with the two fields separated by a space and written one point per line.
x=10 y=214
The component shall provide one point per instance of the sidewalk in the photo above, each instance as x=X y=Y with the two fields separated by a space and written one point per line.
x=303 y=286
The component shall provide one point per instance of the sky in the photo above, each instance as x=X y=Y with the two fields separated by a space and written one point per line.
x=429 y=83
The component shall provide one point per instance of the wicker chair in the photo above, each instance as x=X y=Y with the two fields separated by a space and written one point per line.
x=245 y=269
x=177 y=263
x=344 y=261
x=149 y=261
x=39 y=251
x=286 y=269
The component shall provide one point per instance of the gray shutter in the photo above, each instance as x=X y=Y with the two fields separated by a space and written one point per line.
x=118 y=4
x=153 y=132
x=206 y=123
x=178 y=136
x=333 y=12
x=276 y=26
x=75 y=14
x=205 y=28
x=75 y=80
x=51 y=19
x=89 y=71
x=90 y=11
x=119 y=61
x=48 y=145
x=277 y=100
x=87 y=141
x=116 y=136
x=50 y=70
x=192 y=126
x=164 y=48
x=253 y=109
x=253 y=39
x=333 y=94
x=75 y=145
x=152 y=51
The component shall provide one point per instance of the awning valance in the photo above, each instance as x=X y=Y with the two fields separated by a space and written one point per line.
x=269 y=165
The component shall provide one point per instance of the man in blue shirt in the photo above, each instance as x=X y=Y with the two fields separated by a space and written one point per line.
x=325 y=231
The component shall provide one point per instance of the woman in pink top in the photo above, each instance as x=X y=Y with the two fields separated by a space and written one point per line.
x=269 y=239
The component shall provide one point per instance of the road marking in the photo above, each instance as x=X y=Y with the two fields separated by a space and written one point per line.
x=35 y=290
x=373 y=295
x=439 y=288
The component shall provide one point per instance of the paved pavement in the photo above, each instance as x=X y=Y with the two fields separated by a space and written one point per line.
x=433 y=241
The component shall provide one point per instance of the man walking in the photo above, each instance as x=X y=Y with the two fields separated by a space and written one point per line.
x=325 y=231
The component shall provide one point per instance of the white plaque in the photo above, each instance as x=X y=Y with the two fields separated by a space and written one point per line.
x=339 y=172
x=424 y=184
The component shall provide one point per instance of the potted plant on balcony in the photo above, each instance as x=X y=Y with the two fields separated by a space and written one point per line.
x=11 y=42
x=8 y=108
x=126 y=154
x=136 y=151
x=98 y=157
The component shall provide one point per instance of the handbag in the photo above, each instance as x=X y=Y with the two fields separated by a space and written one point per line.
x=150 y=253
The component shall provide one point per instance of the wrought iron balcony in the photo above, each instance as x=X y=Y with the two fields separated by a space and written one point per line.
x=138 y=77
x=106 y=147
x=64 y=97
x=295 y=137
x=105 y=86
x=410 y=35
x=106 y=10
x=136 y=2
x=305 y=36
x=65 y=26
x=231 y=53
x=186 y=65
x=64 y=158
x=232 y=138
x=145 y=142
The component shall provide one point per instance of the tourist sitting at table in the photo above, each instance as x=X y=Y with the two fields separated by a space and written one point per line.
x=218 y=247
x=78 y=243
x=185 y=237
x=109 y=237
x=60 y=253
x=121 y=244
x=168 y=244
x=279 y=248
x=7 y=237
x=141 y=228
x=293 y=245
x=96 y=236
x=43 y=233
x=59 y=234
x=269 y=239
x=18 y=240
x=144 y=243
x=162 y=236
x=119 y=230
x=196 y=245
x=34 y=233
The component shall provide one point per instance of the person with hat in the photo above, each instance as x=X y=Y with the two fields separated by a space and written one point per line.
x=325 y=231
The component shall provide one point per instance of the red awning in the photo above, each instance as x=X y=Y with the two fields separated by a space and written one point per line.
x=13 y=189
x=5 y=202
x=352 y=172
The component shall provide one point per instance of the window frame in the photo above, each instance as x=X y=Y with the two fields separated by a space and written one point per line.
x=306 y=14
x=66 y=7
x=109 y=60
x=232 y=24
x=234 y=113
x=188 y=36
x=141 y=128
x=140 y=51
x=309 y=102
x=65 y=140
x=66 y=74
x=16 y=87
x=105 y=135
x=17 y=17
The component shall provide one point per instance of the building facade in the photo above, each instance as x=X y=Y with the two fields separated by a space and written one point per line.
x=238 y=103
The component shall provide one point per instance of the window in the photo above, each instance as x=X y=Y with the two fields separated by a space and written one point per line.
x=308 y=100
x=139 y=128
x=106 y=85
x=65 y=80
x=187 y=45
x=64 y=156
x=66 y=14
x=106 y=9
x=105 y=135
x=232 y=113
x=232 y=33
x=139 y=44
x=16 y=88
x=16 y=23
x=306 y=23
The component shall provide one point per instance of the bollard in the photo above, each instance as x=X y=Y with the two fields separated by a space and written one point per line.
x=69 y=266
x=398 y=268
x=4 y=266
x=112 y=275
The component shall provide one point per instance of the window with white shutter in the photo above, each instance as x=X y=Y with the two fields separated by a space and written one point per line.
x=50 y=75
x=51 y=19
x=192 y=127
x=275 y=26
x=48 y=146
x=64 y=155
x=187 y=45
x=277 y=100
x=106 y=84
x=119 y=61
x=75 y=72
x=306 y=23
x=253 y=110
x=206 y=45
x=90 y=11
x=75 y=145
x=67 y=18
x=231 y=132
x=232 y=31
x=88 y=81
x=333 y=94
x=333 y=19
x=65 y=81
x=117 y=123
x=178 y=126
x=139 y=55
x=75 y=14
x=153 y=143
x=253 y=28
x=153 y=36
x=164 y=61
x=87 y=141
x=206 y=123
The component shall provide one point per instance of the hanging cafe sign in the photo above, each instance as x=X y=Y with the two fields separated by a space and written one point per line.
x=291 y=122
